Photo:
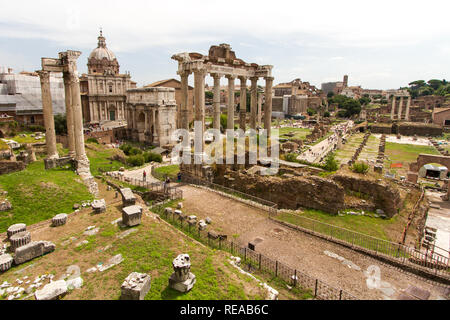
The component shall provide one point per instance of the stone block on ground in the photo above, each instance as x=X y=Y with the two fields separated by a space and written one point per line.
x=52 y=291
x=180 y=205
x=99 y=206
x=131 y=216
x=59 y=220
x=135 y=286
x=168 y=211
x=5 y=262
x=202 y=225
x=182 y=279
x=20 y=239
x=208 y=220
x=128 y=198
x=33 y=250
x=15 y=228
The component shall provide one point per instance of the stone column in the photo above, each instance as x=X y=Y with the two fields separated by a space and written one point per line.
x=393 y=108
x=69 y=115
x=184 y=111
x=216 y=101
x=230 y=107
x=259 y=109
x=47 y=109
x=243 y=103
x=408 y=105
x=400 y=107
x=253 y=102
x=268 y=105
x=80 y=152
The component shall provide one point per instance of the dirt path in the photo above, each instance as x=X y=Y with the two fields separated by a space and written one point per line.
x=305 y=253
x=138 y=174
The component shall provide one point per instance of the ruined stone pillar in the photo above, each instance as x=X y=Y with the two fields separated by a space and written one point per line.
x=80 y=152
x=69 y=115
x=230 y=107
x=393 y=108
x=47 y=108
x=408 y=105
x=199 y=96
x=259 y=109
x=216 y=101
x=253 y=102
x=243 y=103
x=184 y=112
x=400 y=107
x=268 y=105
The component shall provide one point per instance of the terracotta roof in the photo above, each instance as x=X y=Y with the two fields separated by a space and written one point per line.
x=161 y=82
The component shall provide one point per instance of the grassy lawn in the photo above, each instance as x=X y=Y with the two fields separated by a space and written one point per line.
x=99 y=157
x=37 y=194
x=300 y=133
x=348 y=150
x=171 y=171
x=27 y=139
x=363 y=224
x=407 y=152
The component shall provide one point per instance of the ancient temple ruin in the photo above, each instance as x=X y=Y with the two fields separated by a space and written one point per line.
x=67 y=64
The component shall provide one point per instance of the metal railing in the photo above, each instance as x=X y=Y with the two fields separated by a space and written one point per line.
x=257 y=261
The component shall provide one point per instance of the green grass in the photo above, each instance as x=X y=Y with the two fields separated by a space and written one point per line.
x=37 y=194
x=300 y=133
x=407 y=152
x=363 y=224
x=171 y=171
x=27 y=139
x=100 y=158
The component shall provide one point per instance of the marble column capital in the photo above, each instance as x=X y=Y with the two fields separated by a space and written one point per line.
x=254 y=79
x=216 y=75
x=44 y=75
x=230 y=77
x=243 y=79
x=269 y=78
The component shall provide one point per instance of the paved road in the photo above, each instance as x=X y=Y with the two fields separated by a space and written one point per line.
x=138 y=174
x=440 y=220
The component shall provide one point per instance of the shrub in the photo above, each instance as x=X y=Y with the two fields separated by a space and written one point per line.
x=134 y=151
x=360 y=167
x=291 y=157
x=125 y=148
x=331 y=164
x=136 y=160
x=150 y=156
x=92 y=140
x=326 y=114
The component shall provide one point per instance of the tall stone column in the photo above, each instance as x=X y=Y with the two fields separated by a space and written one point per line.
x=268 y=105
x=400 y=107
x=216 y=101
x=253 y=102
x=184 y=111
x=259 y=109
x=230 y=107
x=69 y=115
x=47 y=109
x=408 y=105
x=199 y=92
x=77 y=118
x=393 y=108
x=243 y=103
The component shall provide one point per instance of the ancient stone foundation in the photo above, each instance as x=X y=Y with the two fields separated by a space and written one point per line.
x=33 y=250
x=59 y=220
x=182 y=279
x=131 y=216
x=16 y=228
x=135 y=286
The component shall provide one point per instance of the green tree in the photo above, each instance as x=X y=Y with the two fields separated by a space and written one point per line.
x=60 y=124
x=331 y=164
x=209 y=95
x=434 y=83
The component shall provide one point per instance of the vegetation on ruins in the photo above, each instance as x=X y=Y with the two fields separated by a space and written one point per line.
x=92 y=140
x=360 y=167
x=349 y=105
x=437 y=87
x=167 y=171
x=60 y=124
x=331 y=164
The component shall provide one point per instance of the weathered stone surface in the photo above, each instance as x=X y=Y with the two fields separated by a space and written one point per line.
x=15 y=228
x=202 y=225
x=20 y=239
x=33 y=250
x=5 y=262
x=180 y=205
x=168 y=211
x=128 y=197
x=135 y=286
x=99 y=206
x=76 y=206
x=208 y=220
x=59 y=220
x=131 y=216
x=5 y=206
x=182 y=279
x=111 y=263
x=52 y=291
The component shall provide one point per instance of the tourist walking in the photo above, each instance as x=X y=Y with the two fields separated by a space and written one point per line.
x=144 y=176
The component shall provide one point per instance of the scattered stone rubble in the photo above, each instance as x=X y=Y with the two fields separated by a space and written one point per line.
x=182 y=279
x=135 y=286
x=59 y=220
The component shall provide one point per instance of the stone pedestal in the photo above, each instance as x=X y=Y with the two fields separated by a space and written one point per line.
x=128 y=197
x=33 y=250
x=131 y=216
x=59 y=220
x=135 y=286
x=182 y=279
x=99 y=206
x=16 y=228
x=19 y=239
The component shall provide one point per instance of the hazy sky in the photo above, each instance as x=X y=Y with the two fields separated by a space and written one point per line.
x=379 y=44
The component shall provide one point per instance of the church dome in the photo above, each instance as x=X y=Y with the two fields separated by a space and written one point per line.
x=102 y=59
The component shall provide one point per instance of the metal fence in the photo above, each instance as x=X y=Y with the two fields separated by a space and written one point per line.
x=257 y=261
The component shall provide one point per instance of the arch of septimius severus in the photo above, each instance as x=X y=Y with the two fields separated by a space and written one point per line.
x=222 y=62
x=67 y=64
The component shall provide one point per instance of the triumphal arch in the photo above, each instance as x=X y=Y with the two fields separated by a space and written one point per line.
x=222 y=62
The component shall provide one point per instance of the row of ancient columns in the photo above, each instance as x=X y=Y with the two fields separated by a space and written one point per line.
x=199 y=98
x=73 y=114
x=400 y=108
